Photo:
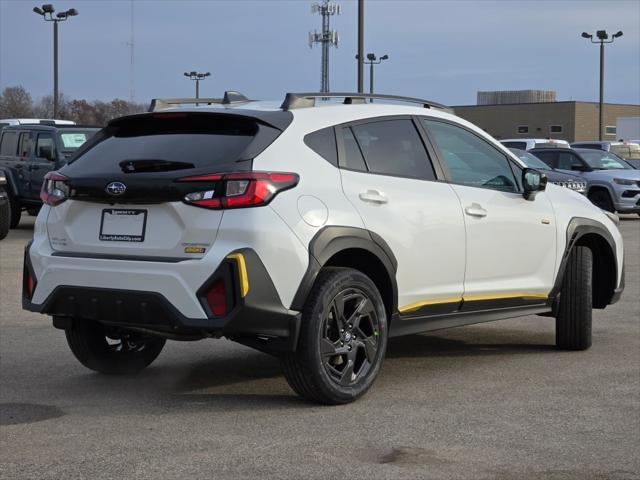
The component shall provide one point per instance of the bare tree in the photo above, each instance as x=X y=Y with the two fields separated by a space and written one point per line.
x=15 y=102
x=44 y=107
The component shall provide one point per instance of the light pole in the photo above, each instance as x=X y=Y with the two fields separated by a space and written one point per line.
x=360 y=55
x=47 y=12
x=602 y=39
x=372 y=60
x=197 y=77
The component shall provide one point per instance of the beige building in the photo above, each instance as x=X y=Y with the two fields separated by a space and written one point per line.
x=572 y=121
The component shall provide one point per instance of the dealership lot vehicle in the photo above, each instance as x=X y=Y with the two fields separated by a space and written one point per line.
x=529 y=143
x=7 y=122
x=28 y=152
x=5 y=208
x=612 y=184
x=626 y=150
x=558 y=178
x=314 y=233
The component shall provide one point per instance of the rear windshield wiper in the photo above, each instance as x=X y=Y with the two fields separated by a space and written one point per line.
x=152 y=165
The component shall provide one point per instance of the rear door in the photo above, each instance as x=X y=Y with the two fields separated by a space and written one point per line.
x=42 y=161
x=388 y=176
x=126 y=199
x=511 y=241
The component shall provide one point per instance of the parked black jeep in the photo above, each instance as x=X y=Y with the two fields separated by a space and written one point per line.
x=28 y=153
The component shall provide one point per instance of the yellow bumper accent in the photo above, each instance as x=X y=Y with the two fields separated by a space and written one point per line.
x=242 y=272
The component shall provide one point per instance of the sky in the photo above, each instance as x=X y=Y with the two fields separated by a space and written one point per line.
x=441 y=50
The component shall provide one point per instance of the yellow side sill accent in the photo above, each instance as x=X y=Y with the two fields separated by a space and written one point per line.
x=418 y=305
x=472 y=298
x=242 y=272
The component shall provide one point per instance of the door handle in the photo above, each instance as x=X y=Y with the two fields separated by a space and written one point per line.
x=475 y=210
x=373 y=196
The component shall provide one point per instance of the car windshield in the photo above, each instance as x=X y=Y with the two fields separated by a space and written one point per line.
x=71 y=140
x=600 y=160
x=529 y=159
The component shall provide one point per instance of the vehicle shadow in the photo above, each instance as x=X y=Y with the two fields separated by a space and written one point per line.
x=420 y=346
x=248 y=380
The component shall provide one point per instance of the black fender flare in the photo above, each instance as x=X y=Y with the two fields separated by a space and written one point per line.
x=577 y=228
x=331 y=240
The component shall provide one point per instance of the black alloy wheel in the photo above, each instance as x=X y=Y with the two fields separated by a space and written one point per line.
x=350 y=337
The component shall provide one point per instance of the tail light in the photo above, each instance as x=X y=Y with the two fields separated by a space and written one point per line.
x=55 y=189
x=28 y=282
x=239 y=190
x=217 y=298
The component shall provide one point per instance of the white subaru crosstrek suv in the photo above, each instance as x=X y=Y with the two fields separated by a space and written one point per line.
x=310 y=232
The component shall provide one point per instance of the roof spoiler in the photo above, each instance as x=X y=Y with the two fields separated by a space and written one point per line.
x=230 y=97
x=303 y=100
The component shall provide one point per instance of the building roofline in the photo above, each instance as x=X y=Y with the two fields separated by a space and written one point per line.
x=546 y=103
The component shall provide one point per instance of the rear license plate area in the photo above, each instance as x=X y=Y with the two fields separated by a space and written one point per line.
x=123 y=225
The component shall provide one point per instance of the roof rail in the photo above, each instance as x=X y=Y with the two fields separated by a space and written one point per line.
x=230 y=97
x=303 y=100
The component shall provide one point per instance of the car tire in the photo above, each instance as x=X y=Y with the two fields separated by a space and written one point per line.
x=602 y=199
x=109 y=352
x=573 y=321
x=16 y=211
x=343 y=339
x=5 y=216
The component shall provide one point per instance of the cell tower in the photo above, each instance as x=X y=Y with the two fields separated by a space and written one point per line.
x=131 y=45
x=327 y=37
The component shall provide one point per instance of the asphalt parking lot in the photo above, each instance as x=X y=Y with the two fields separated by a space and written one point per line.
x=494 y=401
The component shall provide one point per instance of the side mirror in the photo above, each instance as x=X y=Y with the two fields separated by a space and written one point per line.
x=533 y=182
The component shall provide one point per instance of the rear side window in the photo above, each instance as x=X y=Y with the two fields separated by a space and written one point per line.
x=394 y=147
x=166 y=142
x=323 y=142
x=550 y=158
x=9 y=143
x=353 y=159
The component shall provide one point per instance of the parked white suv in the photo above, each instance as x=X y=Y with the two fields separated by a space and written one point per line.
x=310 y=232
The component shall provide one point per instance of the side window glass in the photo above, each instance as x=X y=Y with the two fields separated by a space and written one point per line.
x=470 y=160
x=353 y=157
x=9 y=144
x=44 y=146
x=25 y=145
x=323 y=142
x=394 y=147
x=567 y=161
x=550 y=158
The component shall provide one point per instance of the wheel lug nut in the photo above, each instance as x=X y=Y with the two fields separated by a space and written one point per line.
x=342 y=344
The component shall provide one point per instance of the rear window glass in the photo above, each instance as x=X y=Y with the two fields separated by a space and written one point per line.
x=171 y=142
x=519 y=145
x=323 y=142
x=72 y=140
x=9 y=143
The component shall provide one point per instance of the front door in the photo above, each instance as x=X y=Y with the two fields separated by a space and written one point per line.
x=389 y=178
x=511 y=241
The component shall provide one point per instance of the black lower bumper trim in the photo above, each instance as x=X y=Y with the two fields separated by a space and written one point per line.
x=259 y=318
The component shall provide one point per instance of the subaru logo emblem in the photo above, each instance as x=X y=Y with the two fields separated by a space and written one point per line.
x=116 y=188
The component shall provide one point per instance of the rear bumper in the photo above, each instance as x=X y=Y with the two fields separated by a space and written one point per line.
x=258 y=319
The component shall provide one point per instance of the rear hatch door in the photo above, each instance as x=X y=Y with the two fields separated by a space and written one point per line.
x=125 y=198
